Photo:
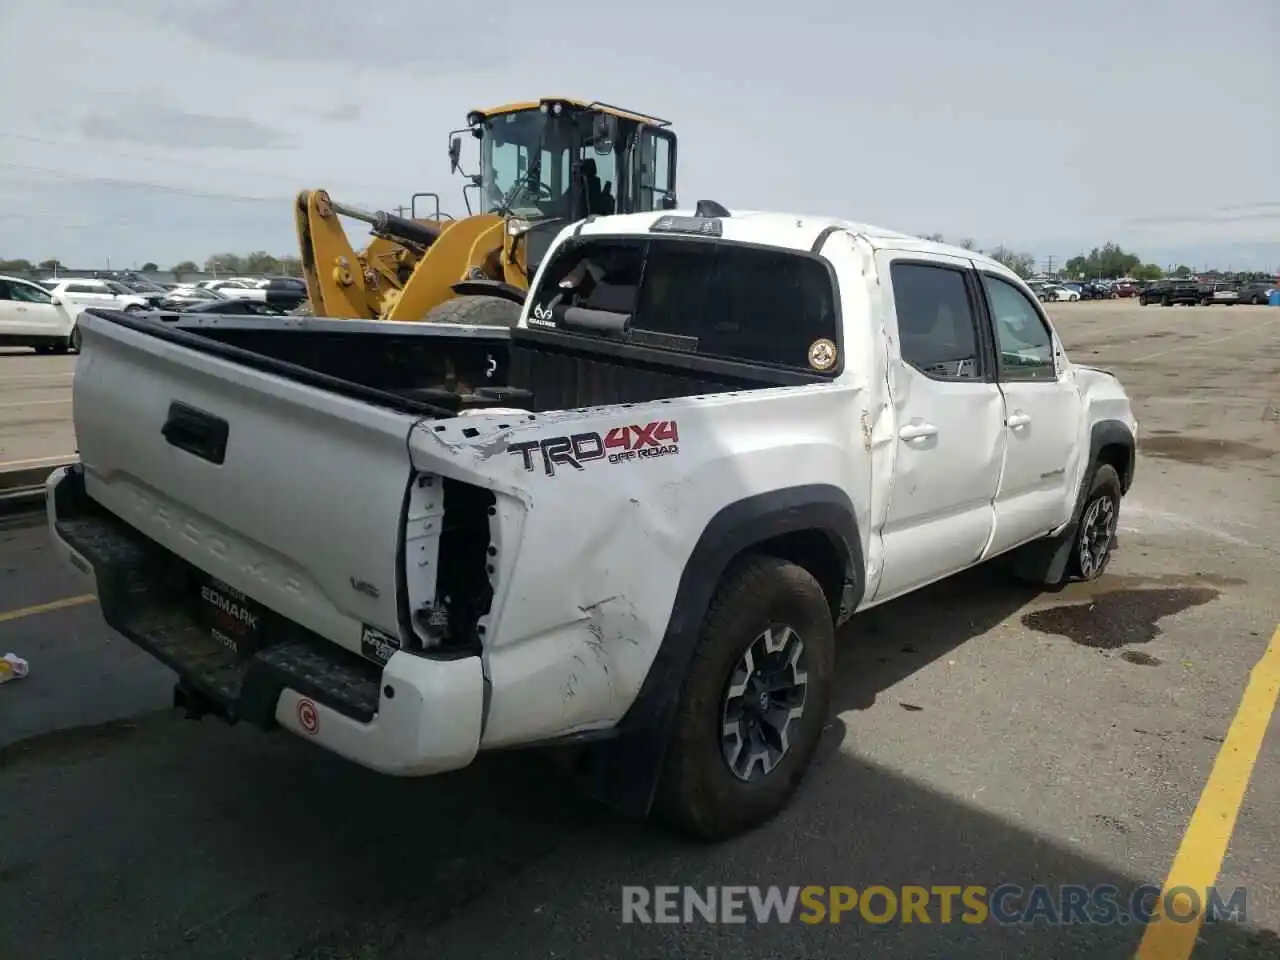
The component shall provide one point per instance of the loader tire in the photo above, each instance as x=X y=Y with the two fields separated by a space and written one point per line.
x=480 y=311
x=766 y=652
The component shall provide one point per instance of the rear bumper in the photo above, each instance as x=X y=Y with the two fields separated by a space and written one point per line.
x=413 y=716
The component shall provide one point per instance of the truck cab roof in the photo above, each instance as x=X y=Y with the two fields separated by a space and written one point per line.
x=795 y=231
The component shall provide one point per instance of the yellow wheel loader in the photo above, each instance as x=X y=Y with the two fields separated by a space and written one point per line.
x=542 y=164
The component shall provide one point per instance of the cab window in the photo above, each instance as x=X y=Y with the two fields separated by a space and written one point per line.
x=937 y=329
x=1023 y=340
x=731 y=301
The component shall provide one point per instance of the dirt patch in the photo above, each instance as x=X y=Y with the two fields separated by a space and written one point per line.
x=1201 y=450
x=1117 y=618
x=1140 y=658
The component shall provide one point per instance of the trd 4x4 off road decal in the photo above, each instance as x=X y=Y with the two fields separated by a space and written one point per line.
x=660 y=438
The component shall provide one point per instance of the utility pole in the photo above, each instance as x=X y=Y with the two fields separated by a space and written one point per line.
x=400 y=210
x=1049 y=266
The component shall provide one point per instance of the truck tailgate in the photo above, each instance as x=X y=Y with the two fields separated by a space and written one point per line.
x=286 y=492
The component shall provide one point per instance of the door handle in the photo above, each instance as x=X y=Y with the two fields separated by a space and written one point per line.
x=917 y=431
x=198 y=433
x=21 y=309
x=1017 y=420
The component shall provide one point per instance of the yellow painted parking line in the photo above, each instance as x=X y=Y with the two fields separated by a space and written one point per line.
x=1204 y=845
x=49 y=607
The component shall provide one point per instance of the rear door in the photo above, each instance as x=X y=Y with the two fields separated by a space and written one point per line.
x=284 y=491
x=949 y=420
x=1042 y=417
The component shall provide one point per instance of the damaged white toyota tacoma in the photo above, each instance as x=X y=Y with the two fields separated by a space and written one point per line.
x=630 y=524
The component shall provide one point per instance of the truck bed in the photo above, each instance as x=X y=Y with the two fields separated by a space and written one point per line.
x=441 y=366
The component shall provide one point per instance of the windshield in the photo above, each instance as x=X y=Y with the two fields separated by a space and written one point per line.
x=116 y=287
x=532 y=149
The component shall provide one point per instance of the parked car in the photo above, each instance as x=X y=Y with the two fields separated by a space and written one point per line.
x=31 y=316
x=190 y=293
x=627 y=553
x=284 y=292
x=226 y=305
x=1168 y=292
x=235 y=287
x=1059 y=293
x=1223 y=293
x=1124 y=289
x=92 y=292
x=1256 y=292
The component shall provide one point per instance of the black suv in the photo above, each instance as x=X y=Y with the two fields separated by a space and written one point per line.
x=285 y=292
x=1168 y=292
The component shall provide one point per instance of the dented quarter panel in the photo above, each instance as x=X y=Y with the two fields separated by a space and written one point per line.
x=578 y=623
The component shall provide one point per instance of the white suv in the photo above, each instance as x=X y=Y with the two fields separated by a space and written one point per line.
x=31 y=316
x=91 y=292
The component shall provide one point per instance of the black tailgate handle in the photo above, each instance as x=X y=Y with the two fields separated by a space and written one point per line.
x=200 y=434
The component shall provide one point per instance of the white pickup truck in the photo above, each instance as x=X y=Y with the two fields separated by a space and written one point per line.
x=713 y=439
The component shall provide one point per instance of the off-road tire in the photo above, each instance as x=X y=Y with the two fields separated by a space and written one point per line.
x=697 y=792
x=1104 y=486
x=482 y=311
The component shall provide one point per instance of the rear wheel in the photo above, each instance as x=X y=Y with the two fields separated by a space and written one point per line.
x=754 y=702
x=480 y=311
x=73 y=340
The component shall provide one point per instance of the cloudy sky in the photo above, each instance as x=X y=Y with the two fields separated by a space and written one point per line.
x=164 y=130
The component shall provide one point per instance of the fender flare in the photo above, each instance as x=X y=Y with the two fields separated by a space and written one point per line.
x=623 y=770
x=489 y=288
x=1045 y=561
x=1102 y=434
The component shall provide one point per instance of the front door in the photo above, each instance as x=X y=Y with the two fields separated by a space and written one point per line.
x=1042 y=419
x=949 y=422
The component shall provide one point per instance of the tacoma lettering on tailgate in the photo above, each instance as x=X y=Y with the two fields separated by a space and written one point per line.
x=659 y=438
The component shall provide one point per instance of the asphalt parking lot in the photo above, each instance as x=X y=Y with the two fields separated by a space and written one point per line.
x=981 y=734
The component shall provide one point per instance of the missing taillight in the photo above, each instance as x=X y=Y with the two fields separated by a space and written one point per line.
x=449 y=558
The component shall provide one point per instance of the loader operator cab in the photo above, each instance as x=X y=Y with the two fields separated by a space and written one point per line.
x=557 y=161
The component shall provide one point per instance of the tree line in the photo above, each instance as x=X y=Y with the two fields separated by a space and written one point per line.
x=224 y=264
x=1109 y=261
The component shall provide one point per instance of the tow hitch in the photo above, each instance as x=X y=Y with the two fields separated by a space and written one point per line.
x=196 y=705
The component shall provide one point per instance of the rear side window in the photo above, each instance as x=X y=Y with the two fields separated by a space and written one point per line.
x=731 y=301
x=937 y=330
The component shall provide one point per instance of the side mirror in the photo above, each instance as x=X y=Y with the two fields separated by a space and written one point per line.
x=455 y=153
x=55 y=301
x=668 y=201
